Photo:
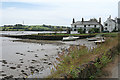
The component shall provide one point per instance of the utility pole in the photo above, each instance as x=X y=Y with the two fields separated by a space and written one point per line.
x=23 y=22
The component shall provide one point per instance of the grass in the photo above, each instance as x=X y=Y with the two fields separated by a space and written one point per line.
x=78 y=55
x=62 y=34
x=114 y=34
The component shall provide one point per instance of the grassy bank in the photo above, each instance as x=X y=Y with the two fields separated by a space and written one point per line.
x=48 y=36
x=81 y=62
x=114 y=34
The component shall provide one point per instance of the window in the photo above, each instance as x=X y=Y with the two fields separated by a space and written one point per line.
x=88 y=25
x=75 y=26
x=95 y=26
x=84 y=25
x=74 y=29
x=105 y=28
x=106 y=24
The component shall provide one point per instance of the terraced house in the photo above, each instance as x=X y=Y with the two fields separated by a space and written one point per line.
x=86 y=25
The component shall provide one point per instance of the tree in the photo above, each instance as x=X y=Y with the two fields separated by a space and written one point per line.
x=55 y=30
x=94 y=30
x=68 y=30
x=60 y=29
x=80 y=31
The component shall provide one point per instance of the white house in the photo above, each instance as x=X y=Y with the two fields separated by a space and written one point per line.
x=110 y=25
x=86 y=25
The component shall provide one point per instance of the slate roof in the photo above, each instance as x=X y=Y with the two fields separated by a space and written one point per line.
x=113 y=20
x=87 y=23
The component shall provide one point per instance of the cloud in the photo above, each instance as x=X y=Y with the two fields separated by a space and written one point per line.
x=57 y=12
x=49 y=1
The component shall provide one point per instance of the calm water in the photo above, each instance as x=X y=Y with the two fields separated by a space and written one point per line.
x=40 y=57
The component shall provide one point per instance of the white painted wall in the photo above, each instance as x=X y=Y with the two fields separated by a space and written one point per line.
x=82 y=26
x=110 y=25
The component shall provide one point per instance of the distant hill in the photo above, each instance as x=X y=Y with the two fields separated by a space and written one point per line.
x=20 y=27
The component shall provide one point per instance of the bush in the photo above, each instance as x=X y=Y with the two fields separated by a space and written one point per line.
x=80 y=31
x=94 y=30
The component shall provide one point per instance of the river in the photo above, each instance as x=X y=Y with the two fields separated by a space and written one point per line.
x=24 y=59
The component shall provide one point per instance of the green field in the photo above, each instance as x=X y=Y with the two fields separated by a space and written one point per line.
x=32 y=28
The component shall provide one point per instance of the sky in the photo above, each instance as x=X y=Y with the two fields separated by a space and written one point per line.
x=55 y=12
x=119 y=9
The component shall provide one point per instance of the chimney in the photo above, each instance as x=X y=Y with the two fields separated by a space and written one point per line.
x=82 y=19
x=110 y=17
x=116 y=19
x=100 y=20
x=73 y=20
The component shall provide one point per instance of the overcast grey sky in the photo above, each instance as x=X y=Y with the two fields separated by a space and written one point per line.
x=55 y=12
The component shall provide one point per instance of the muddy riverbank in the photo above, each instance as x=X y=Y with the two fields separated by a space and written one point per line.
x=48 y=36
x=32 y=58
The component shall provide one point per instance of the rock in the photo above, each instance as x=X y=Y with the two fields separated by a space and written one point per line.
x=45 y=62
x=13 y=67
x=26 y=68
x=8 y=77
x=46 y=55
x=11 y=76
x=36 y=56
x=34 y=60
x=37 y=65
x=30 y=51
x=17 y=53
x=44 y=59
x=31 y=67
x=22 y=71
x=1 y=71
x=4 y=61
x=22 y=62
x=21 y=54
x=3 y=65
x=10 y=63
x=41 y=69
x=3 y=74
x=25 y=74
x=37 y=70
x=49 y=63
x=19 y=65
